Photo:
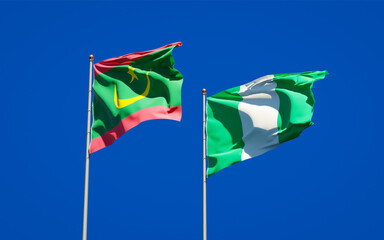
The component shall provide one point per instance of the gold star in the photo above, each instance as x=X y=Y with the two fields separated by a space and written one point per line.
x=131 y=72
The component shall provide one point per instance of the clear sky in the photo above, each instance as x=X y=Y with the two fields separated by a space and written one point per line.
x=326 y=184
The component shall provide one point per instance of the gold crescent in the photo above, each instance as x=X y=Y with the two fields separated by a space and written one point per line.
x=120 y=103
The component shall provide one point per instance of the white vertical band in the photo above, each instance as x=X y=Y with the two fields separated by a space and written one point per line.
x=259 y=111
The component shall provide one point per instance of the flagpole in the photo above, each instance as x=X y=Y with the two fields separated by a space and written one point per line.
x=204 y=170
x=86 y=183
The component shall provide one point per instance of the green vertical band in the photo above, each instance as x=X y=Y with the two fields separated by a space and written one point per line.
x=296 y=102
x=224 y=134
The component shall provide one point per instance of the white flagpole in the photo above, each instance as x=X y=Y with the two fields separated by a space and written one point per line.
x=204 y=171
x=86 y=183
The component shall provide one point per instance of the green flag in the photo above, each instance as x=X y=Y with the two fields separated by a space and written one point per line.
x=131 y=89
x=249 y=120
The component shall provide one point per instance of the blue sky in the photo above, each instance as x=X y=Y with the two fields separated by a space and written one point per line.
x=326 y=184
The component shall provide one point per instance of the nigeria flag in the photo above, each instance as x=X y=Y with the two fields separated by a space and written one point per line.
x=249 y=120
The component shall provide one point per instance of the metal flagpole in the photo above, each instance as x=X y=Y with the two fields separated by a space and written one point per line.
x=204 y=171
x=86 y=183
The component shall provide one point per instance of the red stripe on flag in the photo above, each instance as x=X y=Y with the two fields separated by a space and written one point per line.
x=107 y=64
x=159 y=112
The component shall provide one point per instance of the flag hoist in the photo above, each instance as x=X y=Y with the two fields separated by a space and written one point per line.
x=204 y=169
x=86 y=182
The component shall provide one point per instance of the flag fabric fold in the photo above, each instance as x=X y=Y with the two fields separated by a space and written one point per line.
x=131 y=89
x=249 y=120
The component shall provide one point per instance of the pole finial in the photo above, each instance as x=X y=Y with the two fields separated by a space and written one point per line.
x=204 y=91
x=91 y=58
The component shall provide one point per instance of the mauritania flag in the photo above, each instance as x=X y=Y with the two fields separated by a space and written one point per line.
x=131 y=89
x=249 y=120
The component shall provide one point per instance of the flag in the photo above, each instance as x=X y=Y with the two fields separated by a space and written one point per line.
x=249 y=120
x=131 y=89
